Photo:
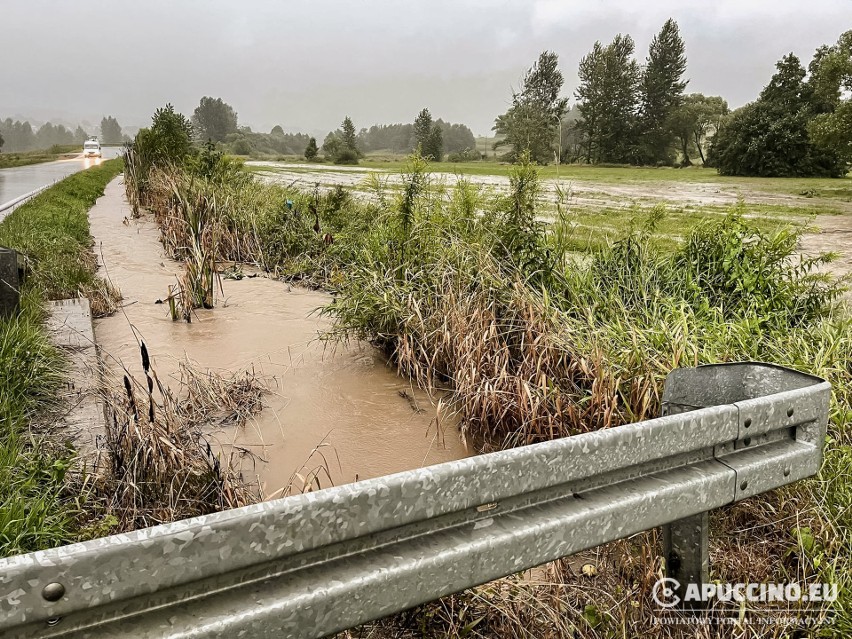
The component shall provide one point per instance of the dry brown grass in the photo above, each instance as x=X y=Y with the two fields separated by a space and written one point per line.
x=522 y=381
x=157 y=465
x=190 y=216
x=104 y=298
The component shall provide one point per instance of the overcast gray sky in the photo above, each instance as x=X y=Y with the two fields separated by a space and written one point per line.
x=307 y=63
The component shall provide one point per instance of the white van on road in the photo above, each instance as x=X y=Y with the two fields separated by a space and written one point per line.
x=92 y=148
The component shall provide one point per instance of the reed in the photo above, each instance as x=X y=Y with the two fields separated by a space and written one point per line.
x=158 y=465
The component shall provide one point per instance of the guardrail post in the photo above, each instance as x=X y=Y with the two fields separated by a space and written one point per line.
x=10 y=282
x=686 y=548
x=686 y=542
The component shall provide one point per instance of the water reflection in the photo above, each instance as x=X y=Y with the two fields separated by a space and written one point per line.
x=20 y=180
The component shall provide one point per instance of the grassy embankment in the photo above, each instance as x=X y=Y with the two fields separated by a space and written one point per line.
x=36 y=508
x=471 y=291
x=9 y=160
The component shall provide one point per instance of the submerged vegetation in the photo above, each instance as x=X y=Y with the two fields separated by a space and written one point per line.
x=158 y=465
x=475 y=294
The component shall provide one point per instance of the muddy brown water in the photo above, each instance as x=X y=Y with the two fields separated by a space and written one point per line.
x=369 y=421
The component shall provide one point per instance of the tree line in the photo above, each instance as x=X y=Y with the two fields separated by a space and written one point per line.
x=20 y=137
x=632 y=113
x=402 y=138
x=624 y=113
x=217 y=121
x=800 y=124
x=434 y=139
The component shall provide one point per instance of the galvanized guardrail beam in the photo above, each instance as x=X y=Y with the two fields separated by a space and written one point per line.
x=313 y=564
x=7 y=207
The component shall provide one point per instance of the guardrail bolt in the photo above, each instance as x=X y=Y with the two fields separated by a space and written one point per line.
x=53 y=591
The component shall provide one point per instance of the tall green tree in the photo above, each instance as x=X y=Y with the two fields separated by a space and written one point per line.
x=349 y=138
x=607 y=98
x=311 y=150
x=422 y=129
x=110 y=131
x=435 y=144
x=769 y=137
x=697 y=118
x=331 y=144
x=532 y=121
x=831 y=83
x=661 y=93
x=342 y=145
x=169 y=139
x=428 y=136
x=214 y=119
x=1 y=142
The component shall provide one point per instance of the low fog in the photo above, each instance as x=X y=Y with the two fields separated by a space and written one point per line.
x=304 y=65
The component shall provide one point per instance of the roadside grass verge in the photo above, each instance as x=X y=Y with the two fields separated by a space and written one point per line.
x=52 y=230
x=37 y=509
x=10 y=160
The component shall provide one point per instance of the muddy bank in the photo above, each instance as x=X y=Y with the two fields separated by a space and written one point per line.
x=369 y=421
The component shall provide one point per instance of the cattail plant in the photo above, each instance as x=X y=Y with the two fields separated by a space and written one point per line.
x=159 y=466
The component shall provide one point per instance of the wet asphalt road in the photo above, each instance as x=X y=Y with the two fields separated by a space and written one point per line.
x=20 y=180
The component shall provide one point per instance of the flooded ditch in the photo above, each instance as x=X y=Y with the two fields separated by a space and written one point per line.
x=367 y=421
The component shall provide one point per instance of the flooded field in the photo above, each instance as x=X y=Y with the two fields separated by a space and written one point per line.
x=367 y=421
x=583 y=192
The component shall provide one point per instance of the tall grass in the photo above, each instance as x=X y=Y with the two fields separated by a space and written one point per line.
x=158 y=465
x=476 y=295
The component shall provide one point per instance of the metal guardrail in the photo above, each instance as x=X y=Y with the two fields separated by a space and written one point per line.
x=11 y=205
x=313 y=564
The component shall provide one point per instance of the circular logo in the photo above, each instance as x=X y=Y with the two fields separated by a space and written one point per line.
x=664 y=592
